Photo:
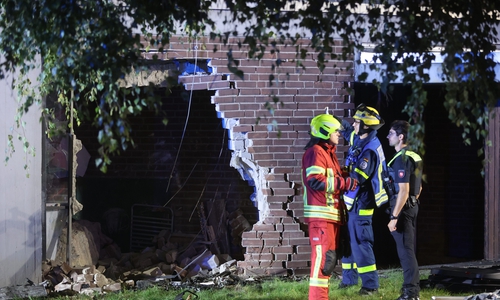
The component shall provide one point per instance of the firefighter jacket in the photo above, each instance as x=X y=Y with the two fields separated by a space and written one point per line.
x=366 y=163
x=322 y=192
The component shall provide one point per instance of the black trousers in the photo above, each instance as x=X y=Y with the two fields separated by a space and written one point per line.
x=405 y=242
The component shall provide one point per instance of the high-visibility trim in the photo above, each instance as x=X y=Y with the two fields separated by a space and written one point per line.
x=361 y=173
x=349 y=202
x=318 y=282
x=323 y=212
x=380 y=195
x=330 y=176
x=350 y=197
x=410 y=153
x=367 y=269
x=366 y=212
x=413 y=155
x=381 y=198
x=320 y=209
x=315 y=170
x=330 y=201
x=351 y=138
x=397 y=154
x=317 y=262
x=330 y=180
x=349 y=266
x=330 y=184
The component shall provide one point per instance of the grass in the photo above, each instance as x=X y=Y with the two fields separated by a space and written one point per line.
x=275 y=288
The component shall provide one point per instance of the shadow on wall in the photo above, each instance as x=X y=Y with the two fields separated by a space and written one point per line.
x=25 y=233
x=109 y=200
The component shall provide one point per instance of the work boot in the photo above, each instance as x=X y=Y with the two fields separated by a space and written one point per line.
x=366 y=292
x=408 y=295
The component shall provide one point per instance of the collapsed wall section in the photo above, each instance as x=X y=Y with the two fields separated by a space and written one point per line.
x=267 y=137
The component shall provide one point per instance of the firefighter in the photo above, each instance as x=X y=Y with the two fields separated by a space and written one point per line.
x=406 y=169
x=366 y=163
x=324 y=210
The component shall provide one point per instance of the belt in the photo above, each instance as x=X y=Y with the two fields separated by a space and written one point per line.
x=411 y=202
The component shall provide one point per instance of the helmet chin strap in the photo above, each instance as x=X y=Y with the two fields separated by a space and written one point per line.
x=362 y=130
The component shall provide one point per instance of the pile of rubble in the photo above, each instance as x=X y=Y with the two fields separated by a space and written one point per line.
x=105 y=269
x=203 y=269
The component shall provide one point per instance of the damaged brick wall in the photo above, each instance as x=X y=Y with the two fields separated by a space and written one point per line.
x=266 y=155
x=223 y=144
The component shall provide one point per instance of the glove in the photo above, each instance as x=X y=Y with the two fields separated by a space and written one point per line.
x=350 y=183
x=330 y=262
x=345 y=124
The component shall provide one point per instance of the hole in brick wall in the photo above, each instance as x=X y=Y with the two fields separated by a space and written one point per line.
x=191 y=66
x=210 y=202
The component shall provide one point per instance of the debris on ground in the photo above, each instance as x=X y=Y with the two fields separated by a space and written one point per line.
x=167 y=262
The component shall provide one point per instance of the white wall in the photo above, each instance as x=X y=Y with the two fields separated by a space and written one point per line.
x=435 y=72
x=20 y=195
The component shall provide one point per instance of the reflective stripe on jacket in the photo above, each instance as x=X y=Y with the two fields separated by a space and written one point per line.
x=376 y=180
x=320 y=166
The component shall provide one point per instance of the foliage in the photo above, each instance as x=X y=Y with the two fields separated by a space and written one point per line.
x=403 y=33
x=19 y=133
x=86 y=48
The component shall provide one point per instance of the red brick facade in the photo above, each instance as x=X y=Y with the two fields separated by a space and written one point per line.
x=277 y=242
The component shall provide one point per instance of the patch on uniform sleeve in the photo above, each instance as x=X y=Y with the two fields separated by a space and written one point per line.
x=401 y=173
x=363 y=164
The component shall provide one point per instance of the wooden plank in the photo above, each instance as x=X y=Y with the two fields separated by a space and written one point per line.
x=492 y=190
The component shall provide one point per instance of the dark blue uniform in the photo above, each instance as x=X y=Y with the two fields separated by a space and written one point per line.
x=406 y=167
x=365 y=161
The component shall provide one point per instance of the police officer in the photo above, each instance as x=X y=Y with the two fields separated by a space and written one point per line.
x=366 y=163
x=406 y=169
x=324 y=210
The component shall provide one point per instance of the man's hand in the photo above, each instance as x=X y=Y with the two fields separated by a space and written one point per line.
x=392 y=225
x=345 y=125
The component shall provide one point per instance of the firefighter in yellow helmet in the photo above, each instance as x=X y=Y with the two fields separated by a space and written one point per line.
x=324 y=211
x=366 y=163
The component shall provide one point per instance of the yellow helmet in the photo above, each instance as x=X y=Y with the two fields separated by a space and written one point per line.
x=369 y=116
x=322 y=126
